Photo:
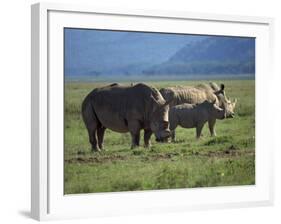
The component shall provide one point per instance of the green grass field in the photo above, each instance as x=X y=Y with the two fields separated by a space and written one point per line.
x=225 y=160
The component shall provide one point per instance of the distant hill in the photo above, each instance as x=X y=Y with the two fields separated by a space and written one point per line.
x=212 y=55
x=97 y=52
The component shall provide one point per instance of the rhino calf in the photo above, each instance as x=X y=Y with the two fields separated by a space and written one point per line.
x=194 y=116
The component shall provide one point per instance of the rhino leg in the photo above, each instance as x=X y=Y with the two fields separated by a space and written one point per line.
x=92 y=131
x=173 y=135
x=100 y=133
x=135 y=140
x=134 y=128
x=147 y=135
x=211 y=124
x=199 y=130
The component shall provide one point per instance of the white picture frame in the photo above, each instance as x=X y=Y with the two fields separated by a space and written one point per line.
x=47 y=198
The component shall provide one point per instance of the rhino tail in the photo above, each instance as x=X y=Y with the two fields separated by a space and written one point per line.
x=89 y=115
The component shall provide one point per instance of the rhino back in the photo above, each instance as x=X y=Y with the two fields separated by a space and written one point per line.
x=188 y=115
x=184 y=115
x=116 y=105
x=193 y=95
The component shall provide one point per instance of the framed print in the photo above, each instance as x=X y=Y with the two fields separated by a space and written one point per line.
x=148 y=111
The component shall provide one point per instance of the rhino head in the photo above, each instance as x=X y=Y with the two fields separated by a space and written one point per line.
x=229 y=107
x=225 y=103
x=159 y=122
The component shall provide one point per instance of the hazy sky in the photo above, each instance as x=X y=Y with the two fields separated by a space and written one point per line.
x=98 y=50
x=94 y=52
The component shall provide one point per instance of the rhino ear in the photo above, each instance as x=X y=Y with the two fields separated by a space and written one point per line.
x=153 y=98
x=155 y=103
x=220 y=91
x=158 y=102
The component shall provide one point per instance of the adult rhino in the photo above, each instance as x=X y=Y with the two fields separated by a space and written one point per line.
x=125 y=109
x=198 y=94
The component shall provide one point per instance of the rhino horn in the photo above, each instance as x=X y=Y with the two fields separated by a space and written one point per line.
x=235 y=101
x=227 y=100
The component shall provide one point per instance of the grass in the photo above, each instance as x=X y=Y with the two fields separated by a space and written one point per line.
x=225 y=160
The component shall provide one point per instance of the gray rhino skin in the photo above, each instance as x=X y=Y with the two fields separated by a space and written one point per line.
x=125 y=109
x=194 y=116
x=191 y=94
x=198 y=94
